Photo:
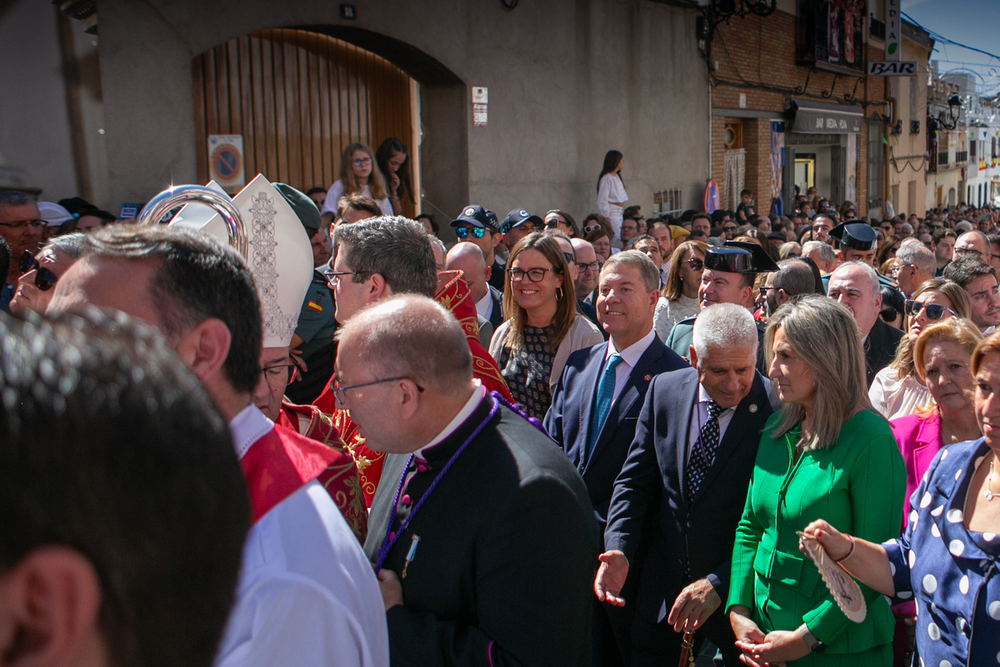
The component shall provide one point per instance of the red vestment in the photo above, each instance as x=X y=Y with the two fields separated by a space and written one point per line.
x=453 y=294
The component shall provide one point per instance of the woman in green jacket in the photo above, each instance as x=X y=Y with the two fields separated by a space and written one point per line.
x=826 y=454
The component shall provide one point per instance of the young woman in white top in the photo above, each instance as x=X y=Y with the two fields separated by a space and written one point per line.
x=611 y=195
x=359 y=174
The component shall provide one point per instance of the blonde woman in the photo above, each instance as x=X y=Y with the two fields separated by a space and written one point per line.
x=359 y=174
x=679 y=296
x=897 y=391
x=542 y=325
x=825 y=454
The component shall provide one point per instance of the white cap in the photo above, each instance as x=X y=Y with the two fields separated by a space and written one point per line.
x=280 y=253
x=53 y=215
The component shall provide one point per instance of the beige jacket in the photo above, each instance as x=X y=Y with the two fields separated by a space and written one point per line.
x=582 y=334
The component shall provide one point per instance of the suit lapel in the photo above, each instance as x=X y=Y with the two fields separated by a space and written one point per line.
x=686 y=397
x=736 y=432
x=635 y=385
x=590 y=377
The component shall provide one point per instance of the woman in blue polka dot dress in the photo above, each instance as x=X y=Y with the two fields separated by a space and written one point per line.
x=946 y=560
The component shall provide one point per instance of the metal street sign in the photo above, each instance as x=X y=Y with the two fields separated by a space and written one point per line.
x=880 y=68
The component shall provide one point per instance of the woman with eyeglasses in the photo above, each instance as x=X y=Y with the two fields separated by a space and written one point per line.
x=563 y=221
x=39 y=273
x=897 y=391
x=359 y=174
x=848 y=211
x=611 y=195
x=542 y=326
x=679 y=295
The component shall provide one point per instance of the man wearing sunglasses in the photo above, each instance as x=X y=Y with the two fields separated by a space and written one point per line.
x=40 y=273
x=479 y=226
x=21 y=228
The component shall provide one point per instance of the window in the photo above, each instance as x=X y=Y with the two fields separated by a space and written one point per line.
x=829 y=33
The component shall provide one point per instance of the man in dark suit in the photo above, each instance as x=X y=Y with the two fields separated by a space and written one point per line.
x=481 y=531
x=685 y=481
x=600 y=393
x=856 y=286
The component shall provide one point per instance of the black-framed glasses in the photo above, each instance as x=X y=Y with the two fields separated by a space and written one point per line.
x=44 y=279
x=21 y=224
x=696 y=264
x=338 y=391
x=533 y=275
x=463 y=232
x=593 y=266
x=729 y=228
x=933 y=311
x=362 y=161
x=553 y=223
x=280 y=372
x=333 y=277
x=570 y=257
x=764 y=289
x=968 y=251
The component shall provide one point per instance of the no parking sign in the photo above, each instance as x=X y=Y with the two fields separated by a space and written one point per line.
x=225 y=160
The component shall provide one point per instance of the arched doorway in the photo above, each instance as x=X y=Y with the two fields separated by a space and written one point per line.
x=298 y=98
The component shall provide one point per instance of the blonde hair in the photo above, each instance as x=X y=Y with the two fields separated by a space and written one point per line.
x=566 y=304
x=953 y=330
x=375 y=181
x=960 y=303
x=673 y=288
x=825 y=336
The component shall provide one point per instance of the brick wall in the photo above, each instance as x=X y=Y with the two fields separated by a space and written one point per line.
x=758 y=51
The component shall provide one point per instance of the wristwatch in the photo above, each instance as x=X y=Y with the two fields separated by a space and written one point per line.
x=810 y=640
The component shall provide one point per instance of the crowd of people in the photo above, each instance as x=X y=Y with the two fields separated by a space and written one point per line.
x=546 y=443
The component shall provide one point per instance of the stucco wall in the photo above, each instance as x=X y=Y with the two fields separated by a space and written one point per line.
x=568 y=80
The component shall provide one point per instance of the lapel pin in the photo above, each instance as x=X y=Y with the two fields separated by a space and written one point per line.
x=647 y=378
x=752 y=408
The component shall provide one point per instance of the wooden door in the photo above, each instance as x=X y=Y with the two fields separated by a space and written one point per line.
x=298 y=98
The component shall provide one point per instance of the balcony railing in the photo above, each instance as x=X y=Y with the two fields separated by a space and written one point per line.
x=961 y=156
x=943 y=158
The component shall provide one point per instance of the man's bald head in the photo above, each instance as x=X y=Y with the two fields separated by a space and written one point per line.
x=409 y=336
x=469 y=259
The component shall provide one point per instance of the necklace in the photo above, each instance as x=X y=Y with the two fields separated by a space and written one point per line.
x=989 y=495
x=387 y=542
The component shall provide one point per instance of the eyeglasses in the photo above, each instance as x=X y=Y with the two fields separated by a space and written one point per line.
x=21 y=224
x=338 y=391
x=590 y=228
x=44 y=279
x=362 y=161
x=968 y=251
x=280 y=373
x=696 y=264
x=533 y=275
x=763 y=289
x=593 y=266
x=570 y=257
x=463 y=232
x=333 y=277
x=729 y=228
x=934 y=312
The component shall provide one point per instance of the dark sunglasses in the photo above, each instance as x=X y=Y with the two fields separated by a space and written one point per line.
x=934 y=312
x=729 y=228
x=44 y=279
x=462 y=232
x=696 y=264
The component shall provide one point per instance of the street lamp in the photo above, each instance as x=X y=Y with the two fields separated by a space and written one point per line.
x=954 y=112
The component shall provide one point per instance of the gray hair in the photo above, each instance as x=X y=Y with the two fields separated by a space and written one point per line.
x=70 y=245
x=963 y=226
x=822 y=333
x=724 y=325
x=869 y=271
x=412 y=336
x=915 y=254
x=15 y=198
x=825 y=250
x=906 y=227
x=394 y=247
x=640 y=262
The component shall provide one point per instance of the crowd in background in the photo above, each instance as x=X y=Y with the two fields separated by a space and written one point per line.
x=721 y=388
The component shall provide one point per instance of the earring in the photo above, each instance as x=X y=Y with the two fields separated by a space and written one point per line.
x=559 y=293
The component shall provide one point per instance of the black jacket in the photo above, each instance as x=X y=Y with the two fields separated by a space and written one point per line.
x=880 y=348
x=504 y=568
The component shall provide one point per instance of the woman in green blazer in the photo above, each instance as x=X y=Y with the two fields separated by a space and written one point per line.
x=826 y=454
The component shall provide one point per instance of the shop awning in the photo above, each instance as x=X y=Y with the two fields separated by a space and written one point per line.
x=819 y=118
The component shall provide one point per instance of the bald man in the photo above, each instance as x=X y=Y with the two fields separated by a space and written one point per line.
x=483 y=534
x=469 y=259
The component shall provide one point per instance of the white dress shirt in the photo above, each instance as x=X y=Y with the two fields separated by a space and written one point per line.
x=630 y=357
x=699 y=417
x=484 y=307
x=307 y=595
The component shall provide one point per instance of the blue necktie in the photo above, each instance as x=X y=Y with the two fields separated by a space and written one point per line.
x=704 y=450
x=602 y=403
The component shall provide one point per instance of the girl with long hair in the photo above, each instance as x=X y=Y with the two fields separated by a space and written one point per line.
x=611 y=195
x=359 y=174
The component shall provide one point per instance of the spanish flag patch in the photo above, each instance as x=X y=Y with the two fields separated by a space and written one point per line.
x=315 y=306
